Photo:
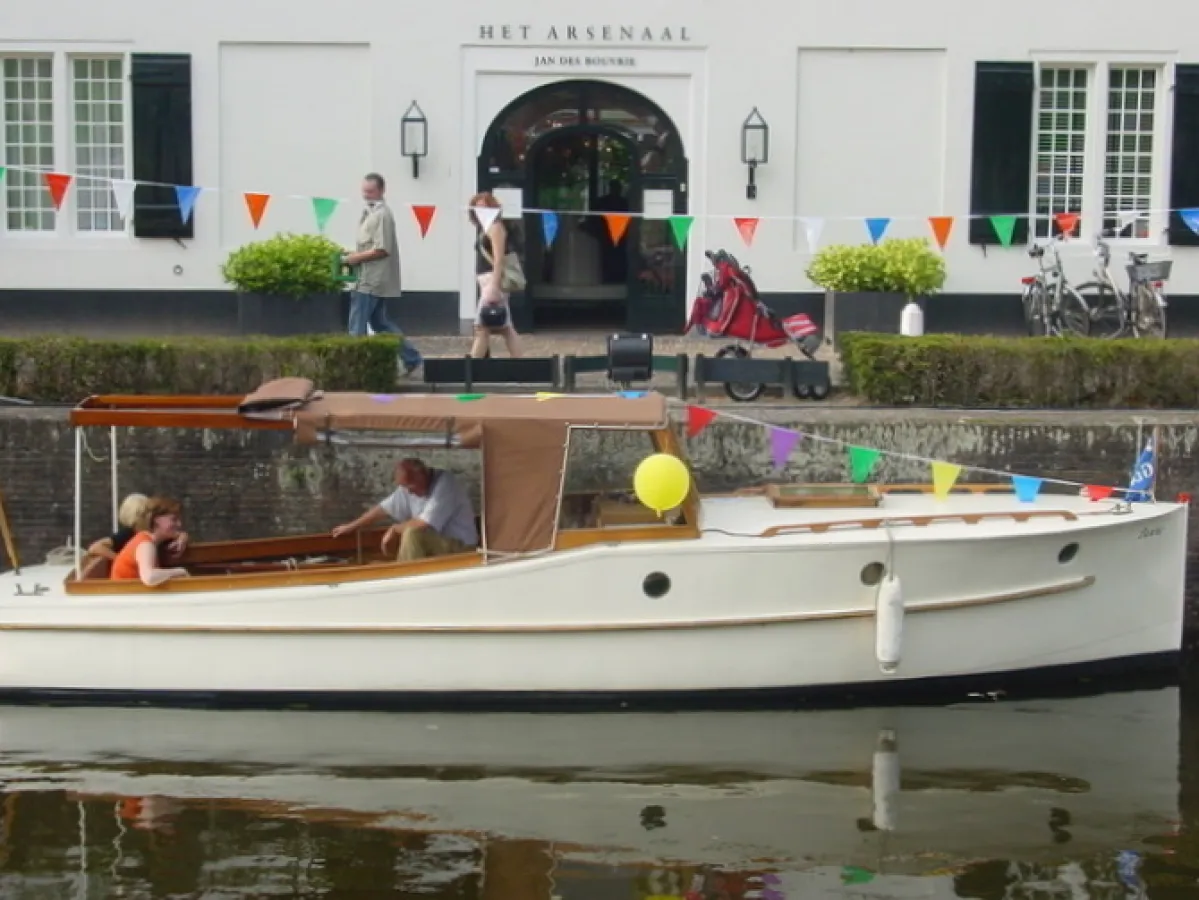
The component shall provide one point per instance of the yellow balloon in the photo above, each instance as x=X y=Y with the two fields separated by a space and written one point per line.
x=661 y=482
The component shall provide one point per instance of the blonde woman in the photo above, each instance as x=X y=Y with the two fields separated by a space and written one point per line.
x=492 y=245
x=159 y=531
x=132 y=508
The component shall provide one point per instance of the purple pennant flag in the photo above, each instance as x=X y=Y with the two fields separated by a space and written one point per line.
x=771 y=878
x=383 y=398
x=782 y=442
x=770 y=894
x=185 y=196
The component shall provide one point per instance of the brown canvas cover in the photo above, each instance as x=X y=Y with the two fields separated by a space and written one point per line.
x=278 y=395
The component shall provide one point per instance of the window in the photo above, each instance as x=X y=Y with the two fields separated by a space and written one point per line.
x=98 y=89
x=1061 y=143
x=28 y=141
x=1128 y=166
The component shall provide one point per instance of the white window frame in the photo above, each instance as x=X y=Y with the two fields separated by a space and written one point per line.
x=66 y=221
x=1098 y=86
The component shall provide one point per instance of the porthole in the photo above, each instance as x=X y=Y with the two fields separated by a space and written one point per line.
x=656 y=584
x=873 y=574
x=1068 y=553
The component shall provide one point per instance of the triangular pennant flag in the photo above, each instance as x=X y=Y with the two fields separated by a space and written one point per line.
x=772 y=894
x=862 y=461
x=1066 y=223
x=698 y=418
x=618 y=224
x=1005 y=229
x=546 y=395
x=747 y=228
x=856 y=875
x=424 y=217
x=58 y=184
x=122 y=195
x=256 y=204
x=812 y=230
x=1191 y=218
x=941 y=226
x=782 y=442
x=1127 y=217
x=630 y=395
x=680 y=226
x=485 y=215
x=3 y=169
x=323 y=208
x=185 y=196
x=467 y=398
x=1026 y=488
x=1098 y=491
x=877 y=228
x=549 y=227
x=945 y=475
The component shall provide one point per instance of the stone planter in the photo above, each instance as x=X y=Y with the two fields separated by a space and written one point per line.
x=276 y=316
x=865 y=311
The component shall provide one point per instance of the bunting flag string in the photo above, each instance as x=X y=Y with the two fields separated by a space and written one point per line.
x=485 y=215
x=863 y=461
x=1066 y=224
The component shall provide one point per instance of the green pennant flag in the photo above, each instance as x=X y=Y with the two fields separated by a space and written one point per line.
x=466 y=398
x=681 y=226
x=862 y=461
x=323 y=208
x=2 y=171
x=856 y=875
x=1005 y=227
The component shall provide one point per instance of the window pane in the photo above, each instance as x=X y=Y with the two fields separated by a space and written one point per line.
x=28 y=142
x=1129 y=151
x=1061 y=145
x=99 y=141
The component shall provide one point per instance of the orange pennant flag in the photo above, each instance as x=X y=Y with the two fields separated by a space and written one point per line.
x=941 y=226
x=748 y=228
x=424 y=217
x=57 y=184
x=1066 y=223
x=618 y=224
x=256 y=204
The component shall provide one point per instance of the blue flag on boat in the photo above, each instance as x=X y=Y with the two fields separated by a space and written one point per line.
x=1144 y=473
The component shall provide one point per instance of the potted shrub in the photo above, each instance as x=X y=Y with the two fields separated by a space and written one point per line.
x=871 y=283
x=286 y=285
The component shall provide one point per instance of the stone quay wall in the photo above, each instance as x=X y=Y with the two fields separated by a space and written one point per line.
x=251 y=484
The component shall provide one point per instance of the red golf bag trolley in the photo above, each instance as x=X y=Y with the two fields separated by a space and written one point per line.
x=728 y=306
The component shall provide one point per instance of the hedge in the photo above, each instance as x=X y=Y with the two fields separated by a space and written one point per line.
x=1057 y=373
x=64 y=370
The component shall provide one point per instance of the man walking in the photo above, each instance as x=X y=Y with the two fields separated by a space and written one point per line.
x=377 y=257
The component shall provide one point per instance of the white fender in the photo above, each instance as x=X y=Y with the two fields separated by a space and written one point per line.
x=888 y=625
x=885 y=780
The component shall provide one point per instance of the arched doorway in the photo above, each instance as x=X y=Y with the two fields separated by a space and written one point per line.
x=580 y=149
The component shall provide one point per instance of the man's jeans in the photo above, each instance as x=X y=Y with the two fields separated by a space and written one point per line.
x=367 y=309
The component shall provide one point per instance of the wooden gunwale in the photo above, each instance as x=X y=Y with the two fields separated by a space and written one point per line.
x=919 y=521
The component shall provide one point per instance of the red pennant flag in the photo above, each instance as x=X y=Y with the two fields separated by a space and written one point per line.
x=1066 y=223
x=424 y=217
x=698 y=418
x=1098 y=491
x=256 y=204
x=58 y=184
x=941 y=226
x=747 y=229
x=618 y=224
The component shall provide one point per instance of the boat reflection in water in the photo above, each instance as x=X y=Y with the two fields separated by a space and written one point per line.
x=909 y=801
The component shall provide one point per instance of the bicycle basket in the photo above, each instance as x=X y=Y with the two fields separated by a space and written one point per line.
x=1159 y=270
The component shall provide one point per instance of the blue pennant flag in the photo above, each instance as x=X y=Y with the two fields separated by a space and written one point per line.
x=1191 y=218
x=877 y=228
x=1144 y=473
x=549 y=227
x=185 y=196
x=1026 y=488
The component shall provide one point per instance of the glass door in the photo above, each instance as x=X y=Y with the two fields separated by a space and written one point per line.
x=657 y=288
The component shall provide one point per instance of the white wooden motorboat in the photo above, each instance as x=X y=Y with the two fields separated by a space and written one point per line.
x=779 y=592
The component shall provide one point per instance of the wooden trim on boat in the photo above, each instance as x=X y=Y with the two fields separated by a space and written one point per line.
x=1050 y=590
x=165 y=401
x=585 y=537
x=168 y=418
x=283 y=547
x=967 y=518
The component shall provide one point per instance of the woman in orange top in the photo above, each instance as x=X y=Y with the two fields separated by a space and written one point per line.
x=159 y=524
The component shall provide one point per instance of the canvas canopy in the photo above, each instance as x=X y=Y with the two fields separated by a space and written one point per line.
x=523 y=439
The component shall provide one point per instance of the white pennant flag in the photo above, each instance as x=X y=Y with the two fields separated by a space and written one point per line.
x=122 y=192
x=1127 y=217
x=813 y=227
x=486 y=215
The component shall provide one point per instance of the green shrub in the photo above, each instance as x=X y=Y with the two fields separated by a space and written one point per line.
x=909 y=266
x=1055 y=373
x=287 y=265
x=65 y=370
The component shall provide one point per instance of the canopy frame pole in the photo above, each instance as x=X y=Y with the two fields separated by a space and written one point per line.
x=112 y=455
x=78 y=504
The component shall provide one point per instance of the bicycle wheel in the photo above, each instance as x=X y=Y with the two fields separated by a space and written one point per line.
x=1034 y=302
x=1107 y=319
x=1074 y=316
x=1150 y=315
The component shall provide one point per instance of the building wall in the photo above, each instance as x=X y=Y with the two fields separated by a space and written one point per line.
x=870 y=111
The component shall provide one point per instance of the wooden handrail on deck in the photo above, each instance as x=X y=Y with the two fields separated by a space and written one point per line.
x=968 y=518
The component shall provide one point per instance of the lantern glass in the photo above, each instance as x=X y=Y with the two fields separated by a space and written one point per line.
x=755 y=139
x=414 y=133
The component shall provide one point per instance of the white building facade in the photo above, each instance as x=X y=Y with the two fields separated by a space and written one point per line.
x=936 y=109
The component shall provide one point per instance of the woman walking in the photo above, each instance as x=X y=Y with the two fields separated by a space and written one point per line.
x=498 y=270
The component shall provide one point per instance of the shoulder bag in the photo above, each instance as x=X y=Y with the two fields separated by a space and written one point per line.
x=513 y=279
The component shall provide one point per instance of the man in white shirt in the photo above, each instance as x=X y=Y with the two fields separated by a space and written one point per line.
x=432 y=512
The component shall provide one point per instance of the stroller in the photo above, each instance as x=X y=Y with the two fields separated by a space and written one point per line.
x=728 y=306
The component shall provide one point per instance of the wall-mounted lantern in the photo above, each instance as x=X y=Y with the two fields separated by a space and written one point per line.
x=755 y=147
x=414 y=136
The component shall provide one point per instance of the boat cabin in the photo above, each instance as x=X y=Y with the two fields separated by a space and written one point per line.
x=524 y=442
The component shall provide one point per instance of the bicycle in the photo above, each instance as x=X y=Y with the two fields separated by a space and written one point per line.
x=1052 y=306
x=1139 y=312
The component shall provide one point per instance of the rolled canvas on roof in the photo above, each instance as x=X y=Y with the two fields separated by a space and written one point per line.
x=282 y=393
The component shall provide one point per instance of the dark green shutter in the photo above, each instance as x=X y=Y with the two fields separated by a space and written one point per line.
x=162 y=142
x=1184 y=157
x=1001 y=158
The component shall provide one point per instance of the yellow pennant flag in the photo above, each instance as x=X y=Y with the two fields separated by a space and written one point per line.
x=543 y=395
x=945 y=475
